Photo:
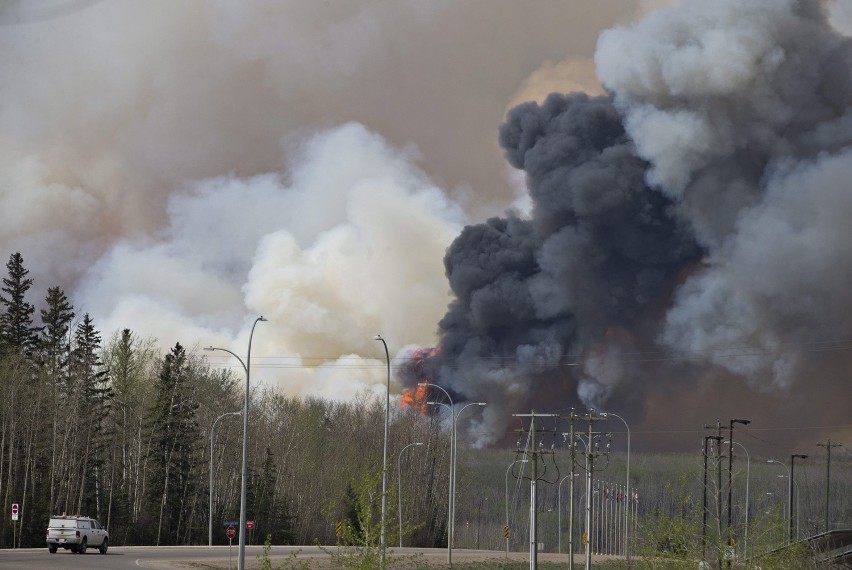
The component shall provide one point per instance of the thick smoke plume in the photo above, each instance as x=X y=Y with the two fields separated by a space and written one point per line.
x=179 y=168
x=688 y=227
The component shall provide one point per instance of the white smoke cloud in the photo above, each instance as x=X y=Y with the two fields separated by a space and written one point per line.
x=157 y=160
x=687 y=85
x=328 y=257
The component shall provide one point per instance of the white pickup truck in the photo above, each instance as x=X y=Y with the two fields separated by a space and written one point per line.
x=76 y=533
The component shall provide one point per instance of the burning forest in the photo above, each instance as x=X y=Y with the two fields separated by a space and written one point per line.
x=687 y=250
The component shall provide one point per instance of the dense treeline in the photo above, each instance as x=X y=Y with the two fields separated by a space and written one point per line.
x=115 y=430
x=118 y=431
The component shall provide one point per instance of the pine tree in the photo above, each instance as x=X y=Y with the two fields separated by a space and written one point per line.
x=16 y=322
x=54 y=342
x=176 y=435
x=91 y=377
x=54 y=347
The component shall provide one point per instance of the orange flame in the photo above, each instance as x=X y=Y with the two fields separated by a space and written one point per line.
x=416 y=398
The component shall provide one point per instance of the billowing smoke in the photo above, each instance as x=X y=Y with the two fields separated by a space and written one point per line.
x=179 y=168
x=691 y=223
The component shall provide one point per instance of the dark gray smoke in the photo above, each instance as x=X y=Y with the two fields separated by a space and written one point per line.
x=698 y=215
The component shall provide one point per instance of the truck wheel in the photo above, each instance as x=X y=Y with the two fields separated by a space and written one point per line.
x=82 y=548
x=52 y=548
x=104 y=546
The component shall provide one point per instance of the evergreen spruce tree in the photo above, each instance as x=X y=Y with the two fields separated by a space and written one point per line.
x=88 y=372
x=54 y=351
x=267 y=508
x=54 y=342
x=16 y=322
x=176 y=436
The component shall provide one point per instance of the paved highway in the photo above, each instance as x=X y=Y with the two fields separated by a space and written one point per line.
x=170 y=557
x=135 y=557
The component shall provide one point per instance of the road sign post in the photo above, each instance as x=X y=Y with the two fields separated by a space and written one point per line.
x=231 y=533
x=14 y=511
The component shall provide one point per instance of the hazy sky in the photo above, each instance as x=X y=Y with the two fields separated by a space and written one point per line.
x=182 y=167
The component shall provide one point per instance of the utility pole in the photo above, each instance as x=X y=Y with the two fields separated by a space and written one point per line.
x=573 y=448
x=718 y=437
x=730 y=480
x=536 y=454
x=827 y=445
x=591 y=418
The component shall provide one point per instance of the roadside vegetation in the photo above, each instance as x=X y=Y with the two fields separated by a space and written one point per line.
x=110 y=427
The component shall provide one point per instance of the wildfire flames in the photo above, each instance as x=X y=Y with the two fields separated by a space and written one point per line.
x=418 y=397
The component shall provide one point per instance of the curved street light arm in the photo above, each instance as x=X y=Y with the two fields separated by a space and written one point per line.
x=452 y=489
x=379 y=338
x=241 y=562
x=234 y=354
x=210 y=488
x=399 y=485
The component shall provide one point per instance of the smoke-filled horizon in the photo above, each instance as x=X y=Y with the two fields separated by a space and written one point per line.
x=675 y=243
x=688 y=238
x=180 y=168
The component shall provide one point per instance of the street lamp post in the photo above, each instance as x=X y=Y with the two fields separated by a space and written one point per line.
x=790 y=487
x=627 y=484
x=512 y=464
x=210 y=510
x=748 y=477
x=453 y=454
x=792 y=465
x=399 y=486
x=241 y=562
x=450 y=483
x=776 y=462
x=559 y=511
x=730 y=473
x=455 y=462
x=379 y=338
x=796 y=485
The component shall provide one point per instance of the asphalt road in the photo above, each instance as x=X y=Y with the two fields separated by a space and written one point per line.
x=216 y=557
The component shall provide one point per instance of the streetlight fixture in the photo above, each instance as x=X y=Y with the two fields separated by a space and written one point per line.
x=790 y=489
x=210 y=510
x=627 y=484
x=748 y=477
x=776 y=462
x=796 y=485
x=512 y=464
x=241 y=563
x=399 y=485
x=559 y=510
x=450 y=483
x=730 y=473
x=453 y=456
x=793 y=465
x=379 y=338
x=456 y=460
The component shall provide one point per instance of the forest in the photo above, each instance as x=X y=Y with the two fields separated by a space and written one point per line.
x=114 y=429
